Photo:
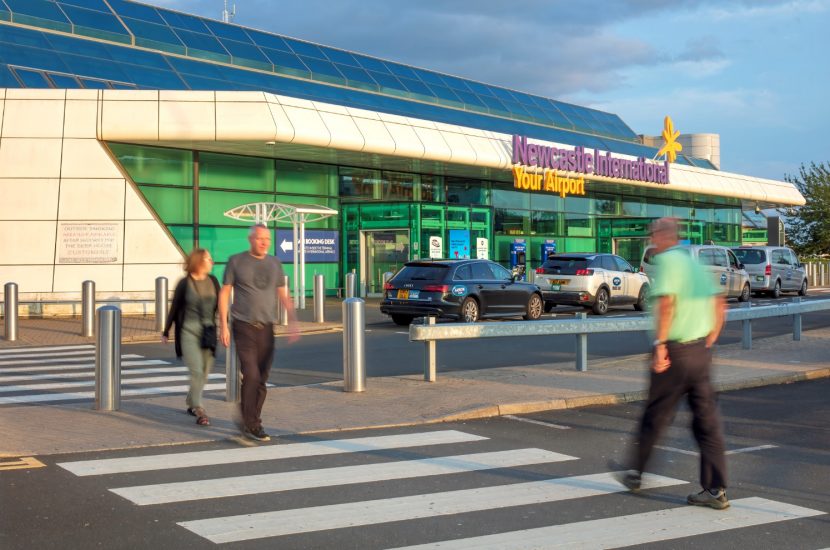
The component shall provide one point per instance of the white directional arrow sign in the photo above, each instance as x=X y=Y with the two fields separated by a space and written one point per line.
x=286 y=245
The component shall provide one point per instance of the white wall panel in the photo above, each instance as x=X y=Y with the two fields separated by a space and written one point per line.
x=406 y=140
x=344 y=132
x=485 y=151
x=80 y=119
x=435 y=148
x=30 y=158
x=129 y=120
x=84 y=199
x=87 y=158
x=244 y=121
x=187 y=120
x=146 y=242
x=309 y=128
x=135 y=209
x=35 y=93
x=241 y=97
x=285 y=130
x=375 y=136
x=363 y=113
x=107 y=277
x=462 y=151
x=287 y=101
x=187 y=95
x=28 y=199
x=41 y=118
x=128 y=95
x=330 y=108
x=27 y=242
x=29 y=278
x=142 y=277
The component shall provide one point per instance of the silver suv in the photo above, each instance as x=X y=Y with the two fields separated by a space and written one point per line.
x=773 y=269
x=729 y=273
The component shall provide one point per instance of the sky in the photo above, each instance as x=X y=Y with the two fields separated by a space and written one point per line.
x=757 y=72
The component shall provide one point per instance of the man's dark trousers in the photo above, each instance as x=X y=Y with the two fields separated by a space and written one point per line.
x=689 y=374
x=255 y=349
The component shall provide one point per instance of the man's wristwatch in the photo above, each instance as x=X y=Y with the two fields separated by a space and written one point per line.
x=658 y=343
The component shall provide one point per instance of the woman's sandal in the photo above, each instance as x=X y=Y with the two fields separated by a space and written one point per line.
x=201 y=418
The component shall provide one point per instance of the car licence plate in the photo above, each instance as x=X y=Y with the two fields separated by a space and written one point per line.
x=408 y=294
x=554 y=287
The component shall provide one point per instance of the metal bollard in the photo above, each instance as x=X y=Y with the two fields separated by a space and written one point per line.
x=354 y=364
x=161 y=303
x=797 y=321
x=582 y=346
x=746 y=341
x=319 y=298
x=823 y=274
x=430 y=357
x=10 y=304
x=233 y=381
x=88 y=308
x=283 y=311
x=108 y=359
x=349 y=285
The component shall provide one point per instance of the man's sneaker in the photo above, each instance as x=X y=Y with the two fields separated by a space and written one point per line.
x=705 y=498
x=257 y=435
x=631 y=479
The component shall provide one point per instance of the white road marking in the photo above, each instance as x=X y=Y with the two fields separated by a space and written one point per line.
x=23 y=377
x=267 y=452
x=400 y=332
x=81 y=366
x=202 y=489
x=68 y=354
x=539 y=422
x=635 y=529
x=46 y=348
x=86 y=383
x=352 y=514
x=43 y=398
x=58 y=360
x=732 y=452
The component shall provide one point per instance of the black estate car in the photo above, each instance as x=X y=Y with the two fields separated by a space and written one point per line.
x=466 y=290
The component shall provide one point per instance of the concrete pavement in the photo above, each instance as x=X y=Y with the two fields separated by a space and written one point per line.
x=389 y=401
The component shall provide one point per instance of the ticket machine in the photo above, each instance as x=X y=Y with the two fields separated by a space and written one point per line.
x=518 y=259
x=548 y=249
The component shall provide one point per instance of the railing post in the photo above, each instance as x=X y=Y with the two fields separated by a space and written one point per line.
x=10 y=304
x=430 y=357
x=746 y=341
x=161 y=303
x=281 y=309
x=233 y=382
x=349 y=285
x=88 y=309
x=582 y=346
x=108 y=359
x=823 y=273
x=797 y=320
x=319 y=298
x=354 y=328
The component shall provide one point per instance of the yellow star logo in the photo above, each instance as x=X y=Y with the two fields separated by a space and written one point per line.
x=670 y=146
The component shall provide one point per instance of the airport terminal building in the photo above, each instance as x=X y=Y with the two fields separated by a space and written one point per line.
x=127 y=132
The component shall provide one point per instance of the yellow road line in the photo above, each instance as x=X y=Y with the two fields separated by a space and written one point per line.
x=20 y=463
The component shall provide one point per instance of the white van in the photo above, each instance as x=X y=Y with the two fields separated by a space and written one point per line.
x=729 y=273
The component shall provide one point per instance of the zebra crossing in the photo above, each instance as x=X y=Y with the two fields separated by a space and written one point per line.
x=67 y=373
x=193 y=476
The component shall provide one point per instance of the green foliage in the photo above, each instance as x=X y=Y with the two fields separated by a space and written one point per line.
x=808 y=227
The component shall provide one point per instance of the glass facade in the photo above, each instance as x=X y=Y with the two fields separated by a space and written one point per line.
x=389 y=217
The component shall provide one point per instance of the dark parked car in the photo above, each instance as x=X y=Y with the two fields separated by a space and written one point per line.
x=467 y=290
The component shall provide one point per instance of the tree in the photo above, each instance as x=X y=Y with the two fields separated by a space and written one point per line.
x=808 y=226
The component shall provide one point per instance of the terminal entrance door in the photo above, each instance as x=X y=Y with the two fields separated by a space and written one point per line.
x=381 y=251
x=631 y=249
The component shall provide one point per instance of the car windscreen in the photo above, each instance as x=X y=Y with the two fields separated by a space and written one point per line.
x=422 y=272
x=565 y=266
x=648 y=257
x=750 y=256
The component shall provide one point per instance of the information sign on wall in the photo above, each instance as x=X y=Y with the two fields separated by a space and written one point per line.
x=321 y=246
x=482 y=249
x=459 y=243
x=88 y=243
x=436 y=247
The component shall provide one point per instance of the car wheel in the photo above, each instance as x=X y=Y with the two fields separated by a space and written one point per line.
x=745 y=293
x=776 y=290
x=534 y=308
x=402 y=320
x=601 y=304
x=469 y=311
x=641 y=298
x=803 y=290
x=549 y=307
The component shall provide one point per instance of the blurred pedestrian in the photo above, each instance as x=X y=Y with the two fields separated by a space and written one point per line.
x=689 y=313
x=194 y=312
x=257 y=281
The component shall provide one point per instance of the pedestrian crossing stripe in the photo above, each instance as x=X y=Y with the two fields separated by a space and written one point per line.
x=327 y=477
x=21 y=377
x=90 y=367
x=20 y=463
x=45 y=348
x=67 y=354
x=43 y=398
x=644 y=528
x=85 y=383
x=51 y=360
x=306 y=520
x=267 y=452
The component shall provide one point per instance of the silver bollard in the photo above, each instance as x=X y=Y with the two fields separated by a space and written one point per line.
x=430 y=358
x=746 y=341
x=319 y=298
x=797 y=321
x=10 y=304
x=233 y=381
x=354 y=360
x=349 y=285
x=108 y=359
x=582 y=346
x=161 y=303
x=283 y=311
x=88 y=308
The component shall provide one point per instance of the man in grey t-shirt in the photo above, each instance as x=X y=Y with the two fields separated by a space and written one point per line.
x=257 y=281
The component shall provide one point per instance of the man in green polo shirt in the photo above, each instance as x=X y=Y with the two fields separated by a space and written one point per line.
x=688 y=313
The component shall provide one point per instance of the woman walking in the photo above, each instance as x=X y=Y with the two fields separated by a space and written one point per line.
x=194 y=312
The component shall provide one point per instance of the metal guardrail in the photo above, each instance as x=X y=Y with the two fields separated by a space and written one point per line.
x=581 y=327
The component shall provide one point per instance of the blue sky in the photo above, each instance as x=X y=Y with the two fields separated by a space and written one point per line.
x=757 y=72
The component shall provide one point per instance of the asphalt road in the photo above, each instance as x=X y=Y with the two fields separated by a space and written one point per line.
x=508 y=477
